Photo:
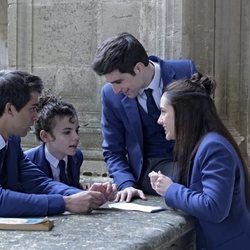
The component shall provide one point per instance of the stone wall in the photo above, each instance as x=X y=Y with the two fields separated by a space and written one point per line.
x=57 y=40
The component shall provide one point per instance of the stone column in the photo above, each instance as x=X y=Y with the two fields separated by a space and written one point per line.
x=216 y=36
x=244 y=86
x=20 y=35
x=3 y=34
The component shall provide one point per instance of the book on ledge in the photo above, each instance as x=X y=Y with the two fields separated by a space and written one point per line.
x=26 y=224
x=136 y=207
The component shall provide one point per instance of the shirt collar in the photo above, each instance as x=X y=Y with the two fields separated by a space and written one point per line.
x=2 y=142
x=155 y=83
x=52 y=159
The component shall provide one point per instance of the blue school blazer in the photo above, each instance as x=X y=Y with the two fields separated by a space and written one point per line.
x=37 y=156
x=122 y=127
x=215 y=196
x=25 y=190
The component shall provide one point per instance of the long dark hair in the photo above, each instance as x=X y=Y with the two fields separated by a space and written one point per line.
x=195 y=116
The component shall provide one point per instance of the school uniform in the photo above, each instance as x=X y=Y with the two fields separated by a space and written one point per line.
x=38 y=156
x=215 y=196
x=25 y=190
x=130 y=136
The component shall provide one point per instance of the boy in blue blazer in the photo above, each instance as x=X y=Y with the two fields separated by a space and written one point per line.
x=24 y=189
x=58 y=128
x=133 y=143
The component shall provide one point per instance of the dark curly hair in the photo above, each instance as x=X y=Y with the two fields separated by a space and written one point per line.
x=49 y=107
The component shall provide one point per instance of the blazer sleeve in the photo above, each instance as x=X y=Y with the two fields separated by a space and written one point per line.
x=183 y=68
x=114 y=144
x=209 y=196
x=28 y=191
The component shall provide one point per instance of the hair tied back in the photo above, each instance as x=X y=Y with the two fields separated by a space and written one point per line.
x=204 y=82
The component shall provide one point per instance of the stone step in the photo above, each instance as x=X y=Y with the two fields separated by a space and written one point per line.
x=91 y=146
x=93 y=168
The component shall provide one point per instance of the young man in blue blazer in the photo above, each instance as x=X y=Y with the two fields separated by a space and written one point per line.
x=24 y=189
x=133 y=143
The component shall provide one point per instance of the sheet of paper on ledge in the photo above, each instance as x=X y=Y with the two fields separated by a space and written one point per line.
x=136 y=207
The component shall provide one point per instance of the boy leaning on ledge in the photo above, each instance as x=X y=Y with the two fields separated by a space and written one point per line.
x=57 y=127
x=25 y=190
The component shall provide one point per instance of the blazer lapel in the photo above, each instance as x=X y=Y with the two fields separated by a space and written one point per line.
x=42 y=163
x=133 y=116
x=167 y=71
x=73 y=170
x=167 y=75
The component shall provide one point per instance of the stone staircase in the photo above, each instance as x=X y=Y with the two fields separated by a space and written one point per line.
x=90 y=144
x=91 y=139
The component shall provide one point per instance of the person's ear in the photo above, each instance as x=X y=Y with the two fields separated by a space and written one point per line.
x=9 y=109
x=45 y=137
x=139 y=67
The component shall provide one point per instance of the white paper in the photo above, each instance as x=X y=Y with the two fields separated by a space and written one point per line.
x=135 y=207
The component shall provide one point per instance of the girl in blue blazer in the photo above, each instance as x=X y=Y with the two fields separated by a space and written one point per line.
x=213 y=184
x=57 y=127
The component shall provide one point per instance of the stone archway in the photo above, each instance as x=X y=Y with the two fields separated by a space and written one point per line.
x=3 y=33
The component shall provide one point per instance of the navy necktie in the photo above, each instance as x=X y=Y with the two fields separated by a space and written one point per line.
x=2 y=156
x=3 y=174
x=63 y=176
x=153 y=110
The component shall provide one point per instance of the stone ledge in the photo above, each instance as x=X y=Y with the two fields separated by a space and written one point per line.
x=111 y=230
